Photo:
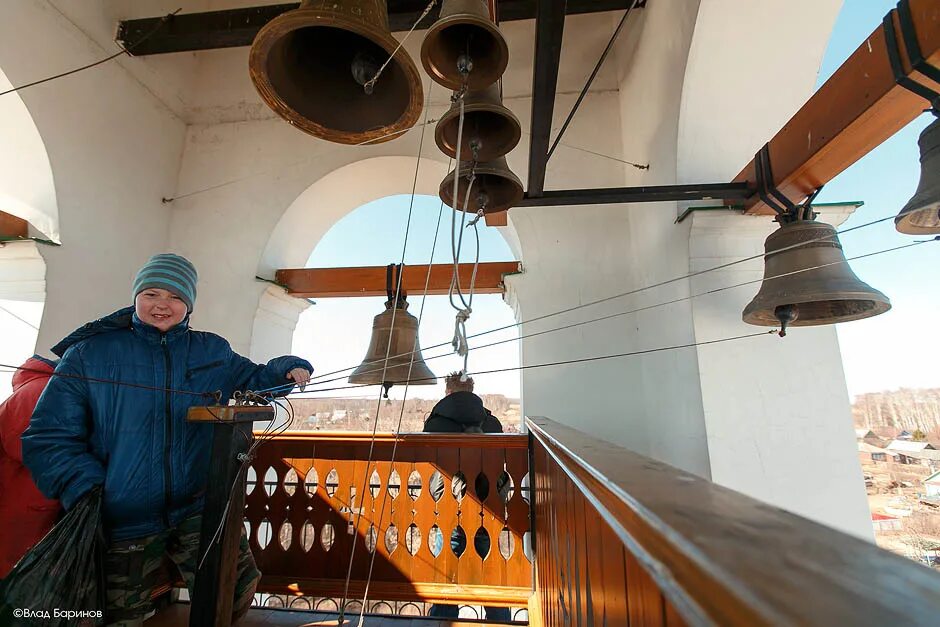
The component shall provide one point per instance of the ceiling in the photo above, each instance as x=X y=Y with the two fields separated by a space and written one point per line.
x=212 y=86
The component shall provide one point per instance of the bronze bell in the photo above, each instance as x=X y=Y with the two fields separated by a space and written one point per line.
x=313 y=66
x=464 y=46
x=805 y=294
x=490 y=130
x=495 y=187
x=404 y=341
x=921 y=215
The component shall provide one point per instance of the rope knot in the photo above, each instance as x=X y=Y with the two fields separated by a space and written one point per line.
x=460 y=333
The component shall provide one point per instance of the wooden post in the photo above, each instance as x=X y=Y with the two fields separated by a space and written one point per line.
x=214 y=588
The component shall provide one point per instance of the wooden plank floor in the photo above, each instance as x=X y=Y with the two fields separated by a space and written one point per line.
x=177 y=615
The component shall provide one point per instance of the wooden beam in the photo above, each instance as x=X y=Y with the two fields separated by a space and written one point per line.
x=12 y=226
x=549 y=29
x=857 y=109
x=370 y=281
x=499 y=218
x=238 y=27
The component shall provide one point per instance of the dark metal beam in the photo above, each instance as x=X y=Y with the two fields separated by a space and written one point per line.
x=238 y=27
x=549 y=29
x=651 y=193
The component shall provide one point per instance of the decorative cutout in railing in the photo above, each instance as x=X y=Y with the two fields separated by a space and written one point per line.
x=305 y=514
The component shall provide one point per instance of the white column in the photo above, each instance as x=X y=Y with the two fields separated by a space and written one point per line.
x=273 y=330
x=777 y=413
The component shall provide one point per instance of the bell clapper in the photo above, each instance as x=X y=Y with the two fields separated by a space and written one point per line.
x=464 y=65
x=786 y=314
x=475 y=145
x=365 y=71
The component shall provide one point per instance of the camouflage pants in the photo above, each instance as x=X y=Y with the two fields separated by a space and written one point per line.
x=133 y=568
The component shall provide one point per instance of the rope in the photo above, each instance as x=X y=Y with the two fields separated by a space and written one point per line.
x=401 y=415
x=319 y=378
x=163 y=20
x=587 y=359
x=23 y=320
x=111 y=381
x=370 y=84
x=661 y=304
x=388 y=350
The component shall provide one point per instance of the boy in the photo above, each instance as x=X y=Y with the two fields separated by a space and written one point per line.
x=132 y=438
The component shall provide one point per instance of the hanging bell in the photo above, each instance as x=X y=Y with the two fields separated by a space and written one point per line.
x=921 y=215
x=490 y=130
x=810 y=284
x=404 y=340
x=464 y=46
x=315 y=65
x=495 y=188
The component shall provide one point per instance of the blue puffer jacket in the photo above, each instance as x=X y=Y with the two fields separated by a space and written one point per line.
x=135 y=440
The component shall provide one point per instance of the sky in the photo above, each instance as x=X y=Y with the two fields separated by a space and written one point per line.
x=896 y=349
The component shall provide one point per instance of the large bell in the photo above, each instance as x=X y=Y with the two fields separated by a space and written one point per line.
x=495 y=187
x=313 y=67
x=464 y=46
x=805 y=294
x=404 y=341
x=921 y=215
x=490 y=130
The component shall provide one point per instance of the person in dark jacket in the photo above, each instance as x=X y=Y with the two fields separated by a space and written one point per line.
x=132 y=437
x=462 y=411
x=25 y=514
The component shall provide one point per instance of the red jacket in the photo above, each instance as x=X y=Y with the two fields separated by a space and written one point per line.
x=25 y=514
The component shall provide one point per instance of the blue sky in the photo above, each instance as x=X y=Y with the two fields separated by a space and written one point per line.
x=899 y=348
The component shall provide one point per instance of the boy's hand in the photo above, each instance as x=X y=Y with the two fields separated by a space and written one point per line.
x=300 y=376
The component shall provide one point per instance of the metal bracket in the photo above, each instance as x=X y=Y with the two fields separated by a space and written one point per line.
x=916 y=57
x=787 y=210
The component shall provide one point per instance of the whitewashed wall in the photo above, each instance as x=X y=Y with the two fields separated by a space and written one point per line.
x=114 y=152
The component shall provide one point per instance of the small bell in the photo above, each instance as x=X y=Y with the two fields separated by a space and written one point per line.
x=490 y=130
x=811 y=283
x=495 y=187
x=404 y=340
x=921 y=215
x=464 y=47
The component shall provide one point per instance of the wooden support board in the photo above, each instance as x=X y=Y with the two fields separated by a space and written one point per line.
x=370 y=281
x=214 y=591
x=857 y=109
x=12 y=226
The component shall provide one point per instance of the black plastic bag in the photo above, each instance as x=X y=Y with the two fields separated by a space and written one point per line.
x=61 y=580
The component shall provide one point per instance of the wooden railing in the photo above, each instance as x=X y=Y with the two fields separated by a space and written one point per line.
x=305 y=494
x=621 y=539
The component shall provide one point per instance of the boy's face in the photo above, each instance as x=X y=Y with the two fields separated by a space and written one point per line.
x=160 y=308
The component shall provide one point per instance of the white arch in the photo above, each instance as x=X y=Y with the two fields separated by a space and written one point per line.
x=27 y=188
x=313 y=213
x=338 y=193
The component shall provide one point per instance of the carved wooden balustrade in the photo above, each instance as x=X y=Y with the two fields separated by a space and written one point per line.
x=312 y=495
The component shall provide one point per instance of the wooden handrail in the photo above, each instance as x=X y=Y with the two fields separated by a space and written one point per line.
x=691 y=552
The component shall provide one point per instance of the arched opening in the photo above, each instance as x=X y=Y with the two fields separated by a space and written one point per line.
x=29 y=210
x=335 y=333
x=27 y=190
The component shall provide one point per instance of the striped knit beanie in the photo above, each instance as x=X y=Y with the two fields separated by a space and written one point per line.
x=169 y=272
